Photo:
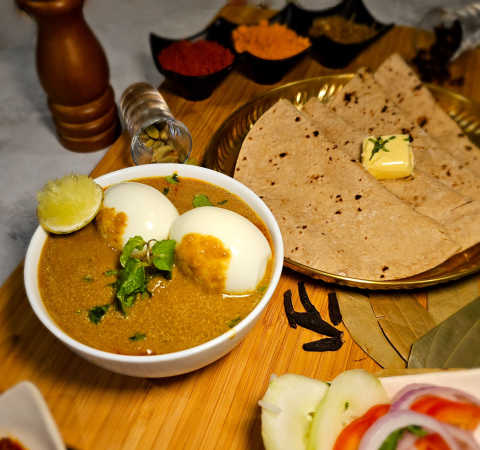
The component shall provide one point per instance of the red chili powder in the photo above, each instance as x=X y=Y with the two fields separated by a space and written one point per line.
x=195 y=58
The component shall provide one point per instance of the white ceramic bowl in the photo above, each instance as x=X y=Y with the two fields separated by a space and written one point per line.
x=171 y=363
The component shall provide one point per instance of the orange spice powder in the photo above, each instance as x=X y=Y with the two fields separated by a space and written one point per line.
x=266 y=41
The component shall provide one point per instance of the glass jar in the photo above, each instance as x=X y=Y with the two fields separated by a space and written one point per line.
x=157 y=137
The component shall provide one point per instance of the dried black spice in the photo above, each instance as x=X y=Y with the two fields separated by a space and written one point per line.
x=311 y=318
x=289 y=311
x=306 y=303
x=432 y=63
x=315 y=323
x=334 y=309
x=323 y=345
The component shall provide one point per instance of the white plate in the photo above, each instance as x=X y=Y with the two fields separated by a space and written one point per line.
x=466 y=380
x=25 y=416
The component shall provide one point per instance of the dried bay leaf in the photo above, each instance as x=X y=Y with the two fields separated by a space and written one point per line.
x=359 y=319
x=446 y=300
x=402 y=319
x=453 y=343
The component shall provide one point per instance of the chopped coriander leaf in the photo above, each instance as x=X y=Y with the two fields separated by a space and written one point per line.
x=87 y=278
x=131 y=281
x=138 y=337
x=165 y=190
x=347 y=405
x=379 y=144
x=393 y=439
x=231 y=323
x=96 y=313
x=163 y=253
x=261 y=289
x=201 y=200
x=134 y=243
x=173 y=179
x=222 y=202
x=110 y=273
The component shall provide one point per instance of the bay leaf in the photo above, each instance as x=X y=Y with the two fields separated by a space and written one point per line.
x=445 y=300
x=453 y=343
x=402 y=319
x=359 y=319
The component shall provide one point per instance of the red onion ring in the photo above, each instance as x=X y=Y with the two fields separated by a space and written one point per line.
x=463 y=437
x=407 y=396
x=383 y=427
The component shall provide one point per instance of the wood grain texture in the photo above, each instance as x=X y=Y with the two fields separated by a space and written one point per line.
x=212 y=408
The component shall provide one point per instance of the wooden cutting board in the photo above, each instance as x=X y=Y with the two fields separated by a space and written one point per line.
x=215 y=407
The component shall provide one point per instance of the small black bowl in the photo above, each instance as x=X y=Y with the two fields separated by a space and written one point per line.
x=334 y=54
x=195 y=87
x=269 y=71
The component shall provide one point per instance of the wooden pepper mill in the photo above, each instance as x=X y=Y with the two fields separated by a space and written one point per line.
x=73 y=70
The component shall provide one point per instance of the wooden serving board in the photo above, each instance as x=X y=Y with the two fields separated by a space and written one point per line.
x=215 y=407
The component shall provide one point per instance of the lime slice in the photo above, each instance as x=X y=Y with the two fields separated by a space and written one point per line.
x=69 y=203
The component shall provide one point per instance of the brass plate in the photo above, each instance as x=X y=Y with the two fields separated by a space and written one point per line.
x=222 y=152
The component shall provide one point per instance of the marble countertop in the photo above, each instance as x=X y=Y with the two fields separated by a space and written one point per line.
x=29 y=151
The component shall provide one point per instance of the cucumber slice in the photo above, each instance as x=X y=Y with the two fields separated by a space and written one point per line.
x=287 y=410
x=351 y=394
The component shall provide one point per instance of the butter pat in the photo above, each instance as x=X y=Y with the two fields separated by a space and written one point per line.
x=388 y=157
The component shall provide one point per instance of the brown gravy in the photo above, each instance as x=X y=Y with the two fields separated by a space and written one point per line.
x=177 y=316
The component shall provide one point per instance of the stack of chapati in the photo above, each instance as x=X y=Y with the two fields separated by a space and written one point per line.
x=336 y=217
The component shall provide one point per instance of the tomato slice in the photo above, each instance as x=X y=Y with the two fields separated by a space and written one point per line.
x=460 y=414
x=351 y=435
x=431 y=442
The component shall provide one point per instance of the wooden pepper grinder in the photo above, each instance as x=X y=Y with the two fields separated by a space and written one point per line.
x=73 y=70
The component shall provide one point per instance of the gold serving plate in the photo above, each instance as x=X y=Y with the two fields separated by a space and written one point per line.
x=224 y=147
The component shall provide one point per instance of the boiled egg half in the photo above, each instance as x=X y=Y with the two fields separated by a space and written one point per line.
x=220 y=249
x=134 y=209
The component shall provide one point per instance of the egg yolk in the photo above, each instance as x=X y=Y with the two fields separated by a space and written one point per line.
x=111 y=226
x=205 y=259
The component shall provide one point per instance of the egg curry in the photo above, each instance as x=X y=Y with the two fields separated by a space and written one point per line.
x=141 y=295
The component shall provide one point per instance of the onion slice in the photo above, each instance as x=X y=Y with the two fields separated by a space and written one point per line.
x=382 y=428
x=409 y=394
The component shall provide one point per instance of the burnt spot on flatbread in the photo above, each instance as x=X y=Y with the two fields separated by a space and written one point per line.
x=384 y=109
x=250 y=138
x=353 y=160
x=347 y=97
x=313 y=178
x=297 y=119
x=272 y=183
x=370 y=130
x=307 y=136
x=405 y=131
x=338 y=211
x=384 y=268
x=338 y=198
x=244 y=158
x=360 y=210
x=358 y=196
x=468 y=147
x=283 y=154
x=422 y=121
x=460 y=135
x=382 y=276
x=316 y=133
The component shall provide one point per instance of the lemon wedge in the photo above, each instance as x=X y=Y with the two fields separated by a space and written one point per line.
x=69 y=203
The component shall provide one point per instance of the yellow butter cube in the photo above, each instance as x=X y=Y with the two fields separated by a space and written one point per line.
x=388 y=157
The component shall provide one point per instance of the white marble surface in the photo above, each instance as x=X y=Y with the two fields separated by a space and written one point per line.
x=29 y=151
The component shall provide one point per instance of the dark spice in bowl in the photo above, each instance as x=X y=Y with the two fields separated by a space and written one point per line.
x=341 y=29
x=195 y=58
